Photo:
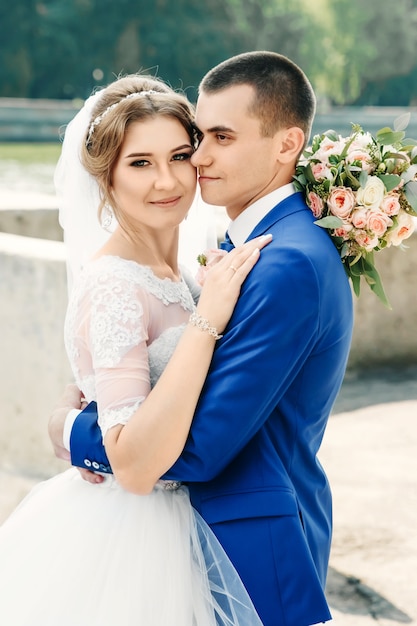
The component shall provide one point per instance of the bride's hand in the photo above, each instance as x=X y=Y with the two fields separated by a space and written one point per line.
x=223 y=281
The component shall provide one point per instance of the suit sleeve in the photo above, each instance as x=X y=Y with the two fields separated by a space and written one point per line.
x=268 y=338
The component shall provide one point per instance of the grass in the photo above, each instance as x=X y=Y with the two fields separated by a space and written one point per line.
x=29 y=153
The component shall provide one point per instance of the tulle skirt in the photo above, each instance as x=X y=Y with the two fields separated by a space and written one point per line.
x=76 y=554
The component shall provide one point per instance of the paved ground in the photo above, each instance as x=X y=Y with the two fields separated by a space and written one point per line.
x=370 y=455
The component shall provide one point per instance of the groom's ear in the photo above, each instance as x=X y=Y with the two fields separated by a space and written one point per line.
x=290 y=143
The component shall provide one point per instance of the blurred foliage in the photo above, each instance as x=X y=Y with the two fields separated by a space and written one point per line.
x=30 y=153
x=354 y=51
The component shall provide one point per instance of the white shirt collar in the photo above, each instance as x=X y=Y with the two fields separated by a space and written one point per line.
x=240 y=228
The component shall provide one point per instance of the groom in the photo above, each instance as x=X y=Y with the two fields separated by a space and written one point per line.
x=250 y=460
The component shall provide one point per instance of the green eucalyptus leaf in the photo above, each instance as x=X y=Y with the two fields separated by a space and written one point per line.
x=344 y=250
x=308 y=173
x=410 y=173
x=411 y=194
x=395 y=155
x=388 y=137
x=390 y=180
x=374 y=281
x=353 y=182
x=363 y=178
x=356 y=284
x=331 y=221
x=331 y=134
x=402 y=121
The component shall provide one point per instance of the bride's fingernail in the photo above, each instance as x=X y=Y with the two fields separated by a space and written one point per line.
x=268 y=236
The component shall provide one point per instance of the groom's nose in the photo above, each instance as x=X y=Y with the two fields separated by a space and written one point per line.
x=201 y=157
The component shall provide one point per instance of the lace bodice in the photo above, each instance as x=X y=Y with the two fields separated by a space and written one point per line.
x=121 y=328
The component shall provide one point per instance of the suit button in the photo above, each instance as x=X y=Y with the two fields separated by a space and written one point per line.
x=87 y=462
x=95 y=465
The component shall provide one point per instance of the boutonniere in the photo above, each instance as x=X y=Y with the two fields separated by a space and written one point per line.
x=206 y=260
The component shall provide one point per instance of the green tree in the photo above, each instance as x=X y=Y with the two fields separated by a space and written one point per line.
x=355 y=42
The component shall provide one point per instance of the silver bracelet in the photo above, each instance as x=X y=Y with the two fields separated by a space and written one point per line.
x=203 y=324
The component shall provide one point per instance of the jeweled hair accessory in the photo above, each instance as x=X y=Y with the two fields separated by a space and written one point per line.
x=99 y=118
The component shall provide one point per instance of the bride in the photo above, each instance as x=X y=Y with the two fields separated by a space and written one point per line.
x=132 y=550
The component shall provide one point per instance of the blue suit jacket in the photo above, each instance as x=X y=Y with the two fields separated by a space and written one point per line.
x=250 y=459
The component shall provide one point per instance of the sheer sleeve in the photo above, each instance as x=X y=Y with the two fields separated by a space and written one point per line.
x=109 y=345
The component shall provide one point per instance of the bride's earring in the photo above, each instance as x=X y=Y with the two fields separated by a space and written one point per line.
x=107 y=217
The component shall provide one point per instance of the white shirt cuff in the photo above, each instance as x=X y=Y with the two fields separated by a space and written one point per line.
x=69 y=423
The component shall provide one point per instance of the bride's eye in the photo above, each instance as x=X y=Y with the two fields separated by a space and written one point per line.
x=182 y=156
x=139 y=163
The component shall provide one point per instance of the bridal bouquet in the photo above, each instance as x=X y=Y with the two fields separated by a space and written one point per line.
x=363 y=190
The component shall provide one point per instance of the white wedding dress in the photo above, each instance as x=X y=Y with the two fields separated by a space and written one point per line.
x=76 y=554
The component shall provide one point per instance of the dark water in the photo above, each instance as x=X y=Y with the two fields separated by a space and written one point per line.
x=376 y=386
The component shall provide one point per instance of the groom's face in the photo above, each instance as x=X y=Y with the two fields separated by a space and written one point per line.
x=236 y=164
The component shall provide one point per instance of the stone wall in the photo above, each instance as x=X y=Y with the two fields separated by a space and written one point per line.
x=33 y=363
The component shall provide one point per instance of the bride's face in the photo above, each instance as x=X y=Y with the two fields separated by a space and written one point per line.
x=153 y=181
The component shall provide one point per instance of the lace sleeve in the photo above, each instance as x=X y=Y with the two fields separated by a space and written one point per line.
x=111 y=338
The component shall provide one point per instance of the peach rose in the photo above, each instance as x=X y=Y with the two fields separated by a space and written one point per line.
x=402 y=230
x=378 y=222
x=391 y=204
x=372 y=194
x=362 y=157
x=209 y=258
x=327 y=148
x=341 y=202
x=320 y=171
x=316 y=204
x=366 y=240
x=343 y=231
x=360 y=217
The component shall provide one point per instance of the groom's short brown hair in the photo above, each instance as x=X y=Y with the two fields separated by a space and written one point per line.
x=284 y=96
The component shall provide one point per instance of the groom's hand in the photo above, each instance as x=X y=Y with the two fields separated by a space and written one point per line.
x=71 y=399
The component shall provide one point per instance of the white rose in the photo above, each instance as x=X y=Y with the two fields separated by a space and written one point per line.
x=372 y=194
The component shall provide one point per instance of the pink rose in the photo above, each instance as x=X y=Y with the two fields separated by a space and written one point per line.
x=341 y=202
x=316 y=204
x=390 y=204
x=378 y=222
x=360 y=217
x=361 y=158
x=209 y=258
x=320 y=171
x=402 y=230
x=343 y=231
x=327 y=148
x=366 y=240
